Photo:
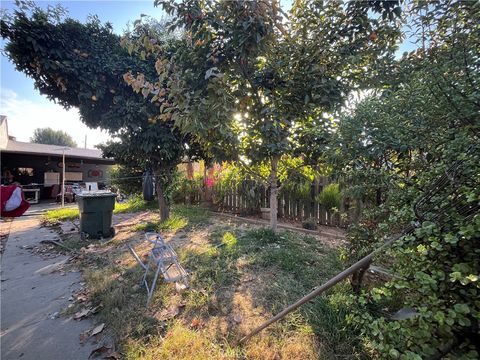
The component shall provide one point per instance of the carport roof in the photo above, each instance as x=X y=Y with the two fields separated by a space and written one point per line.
x=18 y=147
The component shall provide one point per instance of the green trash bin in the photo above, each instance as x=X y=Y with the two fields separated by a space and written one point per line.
x=96 y=209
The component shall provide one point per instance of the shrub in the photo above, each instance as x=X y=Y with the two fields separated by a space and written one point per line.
x=310 y=224
x=330 y=197
x=182 y=189
x=232 y=177
x=299 y=188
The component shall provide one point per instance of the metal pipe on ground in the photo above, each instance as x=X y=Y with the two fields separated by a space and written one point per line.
x=330 y=283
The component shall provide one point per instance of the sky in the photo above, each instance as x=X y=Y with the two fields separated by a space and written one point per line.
x=27 y=110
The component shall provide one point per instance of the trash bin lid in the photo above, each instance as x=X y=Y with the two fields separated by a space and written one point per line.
x=96 y=193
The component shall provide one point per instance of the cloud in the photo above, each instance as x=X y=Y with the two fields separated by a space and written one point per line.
x=24 y=116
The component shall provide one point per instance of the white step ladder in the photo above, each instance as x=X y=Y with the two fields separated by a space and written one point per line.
x=162 y=259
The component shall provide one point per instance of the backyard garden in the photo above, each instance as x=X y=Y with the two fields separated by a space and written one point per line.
x=319 y=147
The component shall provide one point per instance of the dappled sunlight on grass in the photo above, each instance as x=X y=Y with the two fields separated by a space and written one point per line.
x=179 y=343
x=135 y=204
x=175 y=222
x=181 y=216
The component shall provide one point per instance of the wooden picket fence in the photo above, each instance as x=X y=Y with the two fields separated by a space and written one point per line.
x=249 y=197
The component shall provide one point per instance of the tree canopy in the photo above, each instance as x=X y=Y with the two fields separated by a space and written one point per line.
x=52 y=137
x=410 y=153
x=83 y=65
x=248 y=90
x=272 y=92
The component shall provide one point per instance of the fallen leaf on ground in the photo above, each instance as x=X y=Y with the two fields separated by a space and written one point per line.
x=82 y=297
x=179 y=288
x=98 y=329
x=167 y=313
x=196 y=323
x=51 y=268
x=82 y=313
x=114 y=355
x=98 y=351
x=84 y=336
x=96 y=308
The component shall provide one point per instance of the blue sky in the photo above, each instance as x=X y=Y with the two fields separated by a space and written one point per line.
x=26 y=109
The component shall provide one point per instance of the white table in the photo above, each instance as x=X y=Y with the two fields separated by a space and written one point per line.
x=36 y=195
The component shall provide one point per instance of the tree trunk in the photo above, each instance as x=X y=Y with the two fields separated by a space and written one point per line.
x=274 y=193
x=378 y=197
x=162 y=201
x=188 y=196
x=316 y=191
x=358 y=210
x=204 y=195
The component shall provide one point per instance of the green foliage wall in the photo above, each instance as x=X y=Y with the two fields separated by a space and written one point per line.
x=393 y=147
x=330 y=197
x=127 y=179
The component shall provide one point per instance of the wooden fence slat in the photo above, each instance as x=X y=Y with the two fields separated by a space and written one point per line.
x=239 y=200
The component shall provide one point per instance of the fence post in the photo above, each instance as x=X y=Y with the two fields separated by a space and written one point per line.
x=281 y=197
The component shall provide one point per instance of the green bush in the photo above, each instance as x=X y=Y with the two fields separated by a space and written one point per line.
x=297 y=188
x=182 y=188
x=233 y=177
x=310 y=224
x=330 y=197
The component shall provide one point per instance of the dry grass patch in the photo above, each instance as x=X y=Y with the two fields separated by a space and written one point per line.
x=179 y=343
x=240 y=276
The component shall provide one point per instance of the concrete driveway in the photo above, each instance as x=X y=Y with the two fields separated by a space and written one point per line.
x=31 y=299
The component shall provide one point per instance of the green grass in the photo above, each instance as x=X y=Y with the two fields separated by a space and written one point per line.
x=53 y=216
x=135 y=204
x=181 y=217
x=298 y=262
x=132 y=205
x=175 y=222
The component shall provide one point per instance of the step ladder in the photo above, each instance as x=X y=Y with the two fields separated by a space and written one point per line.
x=162 y=259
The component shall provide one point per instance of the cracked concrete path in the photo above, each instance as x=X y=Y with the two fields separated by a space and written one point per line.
x=31 y=296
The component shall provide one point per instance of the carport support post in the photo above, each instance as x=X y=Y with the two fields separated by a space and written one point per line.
x=65 y=148
x=63 y=178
